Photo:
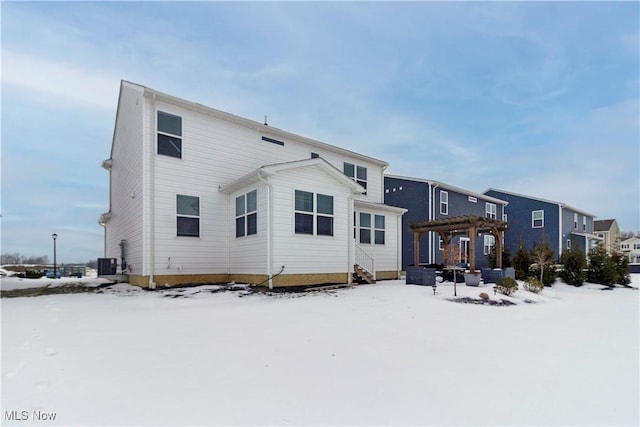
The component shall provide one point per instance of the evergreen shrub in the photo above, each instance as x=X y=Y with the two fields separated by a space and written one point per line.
x=506 y=285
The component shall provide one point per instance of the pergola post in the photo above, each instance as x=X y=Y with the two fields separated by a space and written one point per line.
x=498 y=236
x=416 y=248
x=472 y=248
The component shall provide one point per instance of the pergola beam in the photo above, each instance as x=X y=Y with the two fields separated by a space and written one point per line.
x=447 y=228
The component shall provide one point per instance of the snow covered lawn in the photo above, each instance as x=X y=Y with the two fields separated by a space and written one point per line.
x=385 y=354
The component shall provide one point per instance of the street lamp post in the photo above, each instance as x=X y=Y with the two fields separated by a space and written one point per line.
x=55 y=267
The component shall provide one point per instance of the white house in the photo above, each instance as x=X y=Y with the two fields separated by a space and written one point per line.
x=609 y=232
x=631 y=248
x=198 y=195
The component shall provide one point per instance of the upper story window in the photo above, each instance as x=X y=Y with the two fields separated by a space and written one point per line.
x=491 y=210
x=584 y=223
x=315 y=155
x=313 y=213
x=246 y=214
x=169 y=134
x=356 y=173
x=188 y=215
x=625 y=246
x=568 y=243
x=636 y=246
x=504 y=217
x=537 y=219
x=444 y=202
x=575 y=221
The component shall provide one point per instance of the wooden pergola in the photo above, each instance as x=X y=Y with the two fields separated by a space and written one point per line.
x=448 y=228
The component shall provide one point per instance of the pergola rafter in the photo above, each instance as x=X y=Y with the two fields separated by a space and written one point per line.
x=448 y=228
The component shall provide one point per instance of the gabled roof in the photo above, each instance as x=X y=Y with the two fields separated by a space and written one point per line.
x=603 y=224
x=562 y=205
x=259 y=127
x=446 y=186
x=264 y=172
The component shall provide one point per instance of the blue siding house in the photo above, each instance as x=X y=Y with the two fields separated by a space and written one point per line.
x=534 y=220
x=430 y=200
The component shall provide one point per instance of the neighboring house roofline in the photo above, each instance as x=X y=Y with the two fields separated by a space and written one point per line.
x=603 y=224
x=268 y=170
x=446 y=186
x=540 y=199
x=259 y=127
x=380 y=206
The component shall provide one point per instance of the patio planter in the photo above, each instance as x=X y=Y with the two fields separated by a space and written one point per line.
x=421 y=276
x=472 y=279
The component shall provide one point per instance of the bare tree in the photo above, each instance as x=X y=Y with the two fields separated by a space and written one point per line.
x=624 y=235
x=543 y=257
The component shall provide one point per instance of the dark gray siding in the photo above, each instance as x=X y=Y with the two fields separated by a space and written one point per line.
x=413 y=196
x=519 y=211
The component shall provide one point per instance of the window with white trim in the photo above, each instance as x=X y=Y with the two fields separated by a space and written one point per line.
x=379 y=230
x=188 y=216
x=489 y=243
x=584 y=223
x=568 y=243
x=504 y=217
x=537 y=219
x=313 y=213
x=625 y=246
x=575 y=221
x=169 y=137
x=491 y=210
x=444 y=202
x=246 y=214
x=440 y=243
x=365 y=227
x=356 y=173
x=636 y=246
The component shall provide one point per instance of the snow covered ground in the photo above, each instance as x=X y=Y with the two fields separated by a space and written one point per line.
x=384 y=354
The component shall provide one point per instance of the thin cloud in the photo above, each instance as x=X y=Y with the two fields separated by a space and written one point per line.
x=59 y=80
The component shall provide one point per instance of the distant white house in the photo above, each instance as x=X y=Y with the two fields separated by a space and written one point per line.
x=199 y=195
x=631 y=248
x=609 y=232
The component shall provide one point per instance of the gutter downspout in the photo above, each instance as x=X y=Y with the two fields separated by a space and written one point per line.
x=399 y=245
x=351 y=246
x=269 y=230
x=559 y=230
x=152 y=254
x=432 y=215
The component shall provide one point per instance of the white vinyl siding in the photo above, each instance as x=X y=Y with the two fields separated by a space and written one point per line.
x=126 y=182
x=220 y=150
x=307 y=253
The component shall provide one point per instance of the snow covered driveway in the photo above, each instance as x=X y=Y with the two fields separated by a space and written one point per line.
x=386 y=354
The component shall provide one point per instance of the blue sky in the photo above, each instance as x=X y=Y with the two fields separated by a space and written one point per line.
x=533 y=97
